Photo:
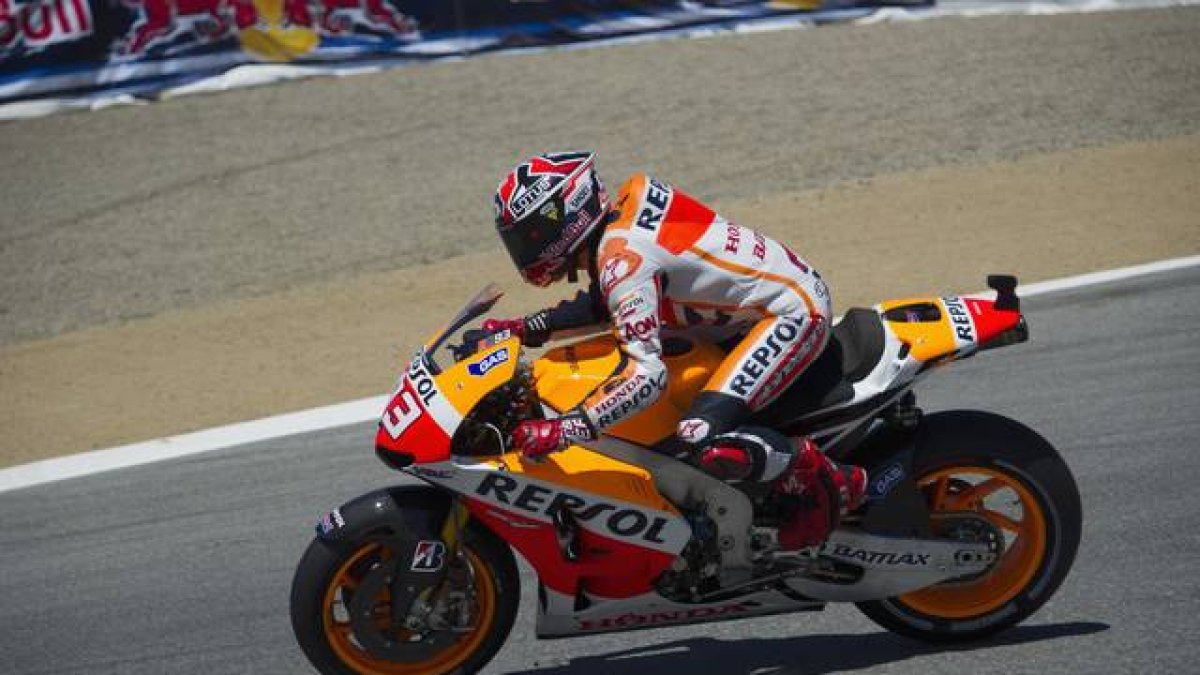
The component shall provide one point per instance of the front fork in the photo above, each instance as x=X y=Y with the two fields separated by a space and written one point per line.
x=427 y=571
x=422 y=527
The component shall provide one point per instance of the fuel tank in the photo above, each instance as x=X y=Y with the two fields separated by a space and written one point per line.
x=566 y=375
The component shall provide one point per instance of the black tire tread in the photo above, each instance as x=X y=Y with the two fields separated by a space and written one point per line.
x=975 y=437
x=321 y=560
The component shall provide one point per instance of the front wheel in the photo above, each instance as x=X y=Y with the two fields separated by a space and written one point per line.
x=981 y=468
x=469 y=616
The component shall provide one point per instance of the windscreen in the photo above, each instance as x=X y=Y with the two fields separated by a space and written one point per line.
x=477 y=306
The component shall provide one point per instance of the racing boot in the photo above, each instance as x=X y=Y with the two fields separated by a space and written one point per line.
x=828 y=491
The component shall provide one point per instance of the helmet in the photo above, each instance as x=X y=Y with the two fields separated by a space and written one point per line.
x=546 y=208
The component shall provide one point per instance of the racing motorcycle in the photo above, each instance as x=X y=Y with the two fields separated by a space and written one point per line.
x=971 y=522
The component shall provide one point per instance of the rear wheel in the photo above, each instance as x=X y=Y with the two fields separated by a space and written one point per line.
x=988 y=478
x=469 y=616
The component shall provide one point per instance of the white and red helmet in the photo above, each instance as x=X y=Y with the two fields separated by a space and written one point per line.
x=545 y=208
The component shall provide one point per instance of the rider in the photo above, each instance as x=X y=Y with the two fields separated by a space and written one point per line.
x=658 y=259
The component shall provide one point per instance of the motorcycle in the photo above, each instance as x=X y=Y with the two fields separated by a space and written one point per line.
x=971 y=522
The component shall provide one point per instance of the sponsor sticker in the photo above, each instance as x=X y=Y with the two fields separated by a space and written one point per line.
x=654 y=206
x=577 y=429
x=413 y=395
x=37 y=25
x=522 y=202
x=436 y=474
x=635 y=315
x=482 y=366
x=618 y=263
x=583 y=192
x=330 y=521
x=763 y=359
x=632 y=395
x=885 y=481
x=631 y=304
x=960 y=322
x=877 y=558
x=634 y=619
x=693 y=430
x=613 y=519
x=429 y=556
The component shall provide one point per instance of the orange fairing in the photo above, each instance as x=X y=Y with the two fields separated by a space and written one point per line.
x=468 y=381
x=423 y=413
x=587 y=471
x=948 y=327
x=565 y=376
x=608 y=566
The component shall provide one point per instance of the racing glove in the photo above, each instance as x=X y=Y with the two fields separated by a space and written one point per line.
x=535 y=439
x=515 y=326
x=533 y=330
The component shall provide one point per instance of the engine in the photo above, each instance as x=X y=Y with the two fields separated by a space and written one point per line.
x=697 y=570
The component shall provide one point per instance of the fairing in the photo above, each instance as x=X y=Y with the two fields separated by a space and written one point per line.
x=430 y=400
x=937 y=329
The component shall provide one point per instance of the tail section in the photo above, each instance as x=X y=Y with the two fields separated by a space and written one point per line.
x=955 y=326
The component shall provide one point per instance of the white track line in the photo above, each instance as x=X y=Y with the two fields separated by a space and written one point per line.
x=366 y=409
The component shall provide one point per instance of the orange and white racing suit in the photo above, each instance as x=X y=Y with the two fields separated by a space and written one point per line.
x=667 y=262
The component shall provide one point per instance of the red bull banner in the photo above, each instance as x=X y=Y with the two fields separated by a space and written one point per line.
x=51 y=49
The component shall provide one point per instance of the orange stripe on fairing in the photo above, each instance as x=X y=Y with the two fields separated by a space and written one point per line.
x=735 y=357
x=581 y=469
x=687 y=220
x=756 y=274
x=629 y=197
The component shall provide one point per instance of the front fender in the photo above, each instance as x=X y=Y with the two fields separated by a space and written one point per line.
x=403 y=514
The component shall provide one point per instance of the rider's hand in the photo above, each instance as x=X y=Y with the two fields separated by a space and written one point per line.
x=514 y=326
x=537 y=438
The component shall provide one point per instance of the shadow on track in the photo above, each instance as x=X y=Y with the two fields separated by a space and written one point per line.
x=807 y=655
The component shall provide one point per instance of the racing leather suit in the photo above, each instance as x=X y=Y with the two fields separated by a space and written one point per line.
x=667 y=262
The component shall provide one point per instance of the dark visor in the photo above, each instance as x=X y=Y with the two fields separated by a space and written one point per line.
x=528 y=239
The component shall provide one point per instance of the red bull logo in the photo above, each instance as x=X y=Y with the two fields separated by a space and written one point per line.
x=161 y=21
x=335 y=17
x=40 y=23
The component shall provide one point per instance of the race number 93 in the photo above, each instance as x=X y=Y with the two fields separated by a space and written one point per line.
x=401 y=414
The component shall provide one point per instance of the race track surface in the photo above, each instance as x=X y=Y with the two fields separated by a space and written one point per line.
x=184 y=566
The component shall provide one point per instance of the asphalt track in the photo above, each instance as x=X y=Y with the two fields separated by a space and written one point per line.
x=184 y=566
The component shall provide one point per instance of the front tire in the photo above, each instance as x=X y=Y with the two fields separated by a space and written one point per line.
x=325 y=582
x=986 y=465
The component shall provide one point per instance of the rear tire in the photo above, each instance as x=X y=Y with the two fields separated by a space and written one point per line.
x=327 y=573
x=967 y=461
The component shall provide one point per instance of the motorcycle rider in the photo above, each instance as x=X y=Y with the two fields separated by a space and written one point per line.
x=657 y=258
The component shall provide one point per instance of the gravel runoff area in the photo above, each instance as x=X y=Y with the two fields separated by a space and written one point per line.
x=209 y=259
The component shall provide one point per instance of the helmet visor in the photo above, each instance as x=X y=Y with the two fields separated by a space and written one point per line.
x=532 y=237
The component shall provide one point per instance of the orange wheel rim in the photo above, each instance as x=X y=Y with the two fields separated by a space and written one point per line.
x=1007 y=504
x=340 y=633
